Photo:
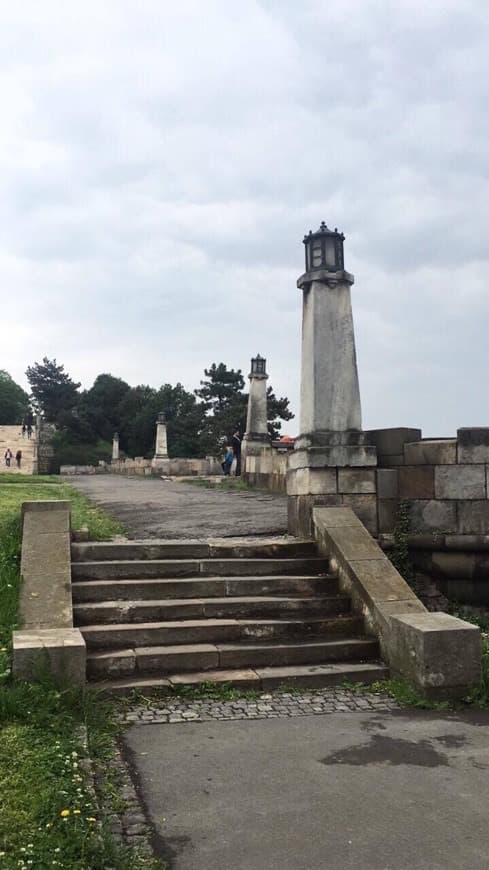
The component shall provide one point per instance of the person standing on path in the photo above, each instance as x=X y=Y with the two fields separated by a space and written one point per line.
x=8 y=457
x=236 y=444
x=18 y=458
x=228 y=461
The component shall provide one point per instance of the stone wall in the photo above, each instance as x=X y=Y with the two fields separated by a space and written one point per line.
x=446 y=483
x=140 y=466
x=265 y=465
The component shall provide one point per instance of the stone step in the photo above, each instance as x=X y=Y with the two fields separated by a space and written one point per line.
x=273 y=548
x=173 y=568
x=209 y=587
x=116 y=612
x=306 y=676
x=129 y=635
x=202 y=657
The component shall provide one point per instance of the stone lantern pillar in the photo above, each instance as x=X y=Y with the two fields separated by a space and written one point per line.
x=161 y=448
x=256 y=450
x=115 y=447
x=331 y=464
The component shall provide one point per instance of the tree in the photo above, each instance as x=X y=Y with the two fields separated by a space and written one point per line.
x=14 y=401
x=184 y=415
x=277 y=409
x=100 y=405
x=220 y=389
x=52 y=389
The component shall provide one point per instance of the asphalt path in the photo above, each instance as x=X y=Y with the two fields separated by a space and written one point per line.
x=154 y=508
x=345 y=791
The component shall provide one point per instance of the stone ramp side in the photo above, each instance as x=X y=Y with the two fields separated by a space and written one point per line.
x=11 y=436
x=154 y=508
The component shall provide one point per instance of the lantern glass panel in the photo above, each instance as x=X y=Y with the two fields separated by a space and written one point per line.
x=317 y=254
x=330 y=252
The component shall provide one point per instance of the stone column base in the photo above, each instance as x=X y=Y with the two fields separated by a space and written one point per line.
x=332 y=476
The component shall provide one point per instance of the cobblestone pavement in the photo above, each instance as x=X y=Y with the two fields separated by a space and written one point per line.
x=266 y=706
x=154 y=508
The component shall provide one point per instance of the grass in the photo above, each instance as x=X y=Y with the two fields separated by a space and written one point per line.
x=48 y=814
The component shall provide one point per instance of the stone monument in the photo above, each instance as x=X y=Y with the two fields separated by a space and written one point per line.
x=115 y=447
x=161 y=448
x=332 y=463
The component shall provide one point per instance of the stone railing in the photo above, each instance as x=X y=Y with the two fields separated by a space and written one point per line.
x=139 y=466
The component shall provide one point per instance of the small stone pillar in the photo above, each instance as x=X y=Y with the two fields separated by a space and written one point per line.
x=161 y=449
x=332 y=463
x=115 y=447
x=256 y=442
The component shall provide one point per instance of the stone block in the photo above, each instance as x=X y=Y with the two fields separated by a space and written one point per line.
x=392 y=460
x=59 y=653
x=431 y=515
x=416 y=481
x=391 y=441
x=431 y=452
x=332 y=457
x=457 y=565
x=438 y=652
x=311 y=481
x=460 y=481
x=473 y=445
x=365 y=507
x=387 y=483
x=299 y=511
x=473 y=517
x=387 y=510
x=356 y=480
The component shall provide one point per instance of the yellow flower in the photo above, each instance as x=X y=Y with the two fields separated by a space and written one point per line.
x=76 y=812
x=65 y=813
x=91 y=819
x=3 y=649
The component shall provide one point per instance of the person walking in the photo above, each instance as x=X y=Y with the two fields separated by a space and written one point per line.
x=228 y=461
x=236 y=444
x=29 y=430
x=18 y=458
x=8 y=457
x=24 y=428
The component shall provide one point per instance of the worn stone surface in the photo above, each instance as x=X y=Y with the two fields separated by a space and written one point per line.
x=387 y=483
x=460 y=481
x=334 y=456
x=364 y=788
x=473 y=517
x=59 y=652
x=391 y=441
x=356 y=480
x=434 y=515
x=45 y=596
x=387 y=512
x=431 y=452
x=365 y=507
x=153 y=508
x=311 y=481
x=416 y=481
x=256 y=417
x=330 y=394
x=473 y=444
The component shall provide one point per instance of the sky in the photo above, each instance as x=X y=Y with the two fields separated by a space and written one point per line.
x=160 y=163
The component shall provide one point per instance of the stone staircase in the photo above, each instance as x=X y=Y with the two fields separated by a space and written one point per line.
x=254 y=613
x=11 y=436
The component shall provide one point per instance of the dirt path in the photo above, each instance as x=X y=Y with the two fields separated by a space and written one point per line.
x=154 y=508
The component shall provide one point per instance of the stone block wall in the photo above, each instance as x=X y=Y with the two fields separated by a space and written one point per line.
x=145 y=467
x=265 y=465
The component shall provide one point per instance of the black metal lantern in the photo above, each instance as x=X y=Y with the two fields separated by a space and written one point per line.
x=324 y=249
x=258 y=365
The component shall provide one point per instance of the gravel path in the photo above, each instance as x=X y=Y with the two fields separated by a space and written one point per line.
x=155 y=508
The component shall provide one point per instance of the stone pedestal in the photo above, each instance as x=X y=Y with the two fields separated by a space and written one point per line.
x=115 y=447
x=256 y=441
x=161 y=448
x=340 y=471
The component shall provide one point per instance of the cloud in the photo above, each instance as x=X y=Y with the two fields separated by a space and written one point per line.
x=160 y=165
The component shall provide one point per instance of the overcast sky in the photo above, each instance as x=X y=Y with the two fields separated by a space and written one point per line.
x=161 y=161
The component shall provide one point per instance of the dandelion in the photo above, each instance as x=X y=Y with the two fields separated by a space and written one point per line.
x=76 y=812
x=65 y=813
x=3 y=649
x=91 y=819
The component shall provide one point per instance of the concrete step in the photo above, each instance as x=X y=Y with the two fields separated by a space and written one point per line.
x=209 y=587
x=202 y=657
x=116 y=612
x=233 y=548
x=173 y=568
x=130 y=635
x=306 y=676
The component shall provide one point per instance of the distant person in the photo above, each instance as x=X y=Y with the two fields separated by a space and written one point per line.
x=236 y=444
x=8 y=457
x=24 y=428
x=29 y=430
x=18 y=458
x=228 y=461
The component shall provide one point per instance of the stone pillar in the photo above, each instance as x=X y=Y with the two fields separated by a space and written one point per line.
x=256 y=450
x=161 y=449
x=332 y=462
x=115 y=447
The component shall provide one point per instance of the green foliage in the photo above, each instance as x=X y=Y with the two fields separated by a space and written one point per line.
x=277 y=409
x=53 y=391
x=399 y=555
x=404 y=693
x=69 y=451
x=14 y=401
